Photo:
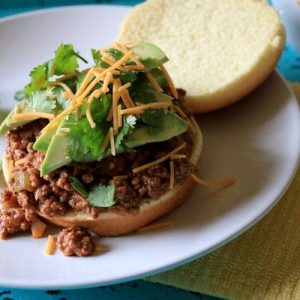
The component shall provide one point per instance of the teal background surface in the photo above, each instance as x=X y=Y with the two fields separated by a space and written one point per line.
x=289 y=66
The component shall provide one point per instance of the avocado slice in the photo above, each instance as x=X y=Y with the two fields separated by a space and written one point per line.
x=8 y=123
x=56 y=155
x=173 y=126
x=150 y=55
x=44 y=140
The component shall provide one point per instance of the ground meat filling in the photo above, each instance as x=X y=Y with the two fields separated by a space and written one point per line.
x=53 y=193
x=75 y=241
x=12 y=220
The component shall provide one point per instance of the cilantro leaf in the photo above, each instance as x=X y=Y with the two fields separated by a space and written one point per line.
x=128 y=126
x=102 y=196
x=80 y=78
x=98 y=59
x=159 y=76
x=129 y=76
x=42 y=101
x=115 y=53
x=100 y=108
x=62 y=102
x=154 y=118
x=85 y=142
x=39 y=79
x=65 y=60
x=19 y=95
x=78 y=186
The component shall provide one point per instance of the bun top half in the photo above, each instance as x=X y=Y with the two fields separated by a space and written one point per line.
x=219 y=50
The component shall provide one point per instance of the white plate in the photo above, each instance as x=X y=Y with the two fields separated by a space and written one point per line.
x=256 y=141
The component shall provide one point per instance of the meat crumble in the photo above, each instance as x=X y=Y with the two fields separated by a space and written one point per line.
x=75 y=241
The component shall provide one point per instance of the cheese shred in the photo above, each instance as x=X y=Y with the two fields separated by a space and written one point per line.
x=177 y=156
x=51 y=245
x=106 y=141
x=221 y=184
x=158 y=161
x=153 y=82
x=155 y=226
x=119 y=116
x=169 y=80
x=172 y=175
x=27 y=116
x=126 y=99
x=112 y=141
x=140 y=109
x=116 y=96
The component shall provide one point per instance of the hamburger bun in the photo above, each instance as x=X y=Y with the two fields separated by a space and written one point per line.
x=110 y=223
x=219 y=50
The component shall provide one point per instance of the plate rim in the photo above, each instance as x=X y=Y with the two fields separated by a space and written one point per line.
x=18 y=283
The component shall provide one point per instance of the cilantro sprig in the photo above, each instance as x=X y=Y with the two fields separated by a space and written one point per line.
x=64 y=62
x=102 y=196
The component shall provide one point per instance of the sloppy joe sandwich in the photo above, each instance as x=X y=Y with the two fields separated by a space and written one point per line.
x=108 y=148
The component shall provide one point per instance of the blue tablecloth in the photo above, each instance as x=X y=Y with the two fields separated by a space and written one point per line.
x=289 y=66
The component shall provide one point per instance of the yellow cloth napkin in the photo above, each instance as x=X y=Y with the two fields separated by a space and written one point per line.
x=263 y=263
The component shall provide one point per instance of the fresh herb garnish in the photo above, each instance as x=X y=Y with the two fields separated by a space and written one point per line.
x=102 y=196
x=19 y=95
x=65 y=60
x=154 y=119
x=98 y=59
x=78 y=186
x=128 y=126
x=39 y=79
x=41 y=101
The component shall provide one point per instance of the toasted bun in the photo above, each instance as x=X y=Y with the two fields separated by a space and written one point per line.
x=111 y=223
x=219 y=50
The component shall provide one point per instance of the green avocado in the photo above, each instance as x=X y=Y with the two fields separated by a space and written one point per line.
x=44 y=140
x=8 y=123
x=173 y=126
x=150 y=55
x=56 y=155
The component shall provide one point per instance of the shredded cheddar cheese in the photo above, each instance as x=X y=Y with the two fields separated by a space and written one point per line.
x=177 y=156
x=124 y=87
x=27 y=116
x=101 y=249
x=65 y=87
x=94 y=94
x=179 y=111
x=119 y=116
x=112 y=141
x=107 y=80
x=88 y=77
x=169 y=80
x=159 y=160
x=121 y=177
x=127 y=99
x=51 y=245
x=140 y=109
x=154 y=82
x=116 y=96
x=222 y=184
x=106 y=141
x=155 y=226
x=38 y=228
x=172 y=175
x=110 y=115
x=58 y=118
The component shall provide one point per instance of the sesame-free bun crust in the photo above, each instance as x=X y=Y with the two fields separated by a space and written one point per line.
x=219 y=50
x=112 y=224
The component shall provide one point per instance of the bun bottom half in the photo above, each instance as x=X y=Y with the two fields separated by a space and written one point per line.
x=110 y=223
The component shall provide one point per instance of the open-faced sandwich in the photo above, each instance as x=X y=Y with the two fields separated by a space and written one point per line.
x=108 y=149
